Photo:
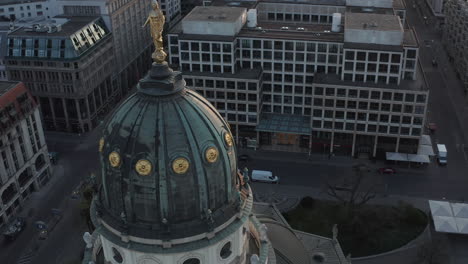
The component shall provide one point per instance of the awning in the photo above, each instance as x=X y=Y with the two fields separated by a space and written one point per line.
x=425 y=140
x=440 y=208
x=280 y=123
x=396 y=156
x=418 y=158
x=460 y=210
x=426 y=150
x=449 y=217
x=462 y=225
x=445 y=224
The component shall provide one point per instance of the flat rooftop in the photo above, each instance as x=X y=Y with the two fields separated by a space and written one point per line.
x=5 y=86
x=318 y=32
x=13 y=2
x=366 y=21
x=68 y=28
x=296 y=31
x=214 y=14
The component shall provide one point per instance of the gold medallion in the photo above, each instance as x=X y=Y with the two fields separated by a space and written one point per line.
x=143 y=167
x=228 y=139
x=180 y=165
x=101 y=144
x=114 y=159
x=211 y=154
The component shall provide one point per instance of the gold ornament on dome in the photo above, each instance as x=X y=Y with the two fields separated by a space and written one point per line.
x=143 y=167
x=211 y=154
x=101 y=144
x=114 y=159
x=228 y=139
x=156 y=21
x=180 y=165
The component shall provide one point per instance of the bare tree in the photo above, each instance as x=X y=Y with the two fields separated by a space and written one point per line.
x=433 y=252
x=355 y=191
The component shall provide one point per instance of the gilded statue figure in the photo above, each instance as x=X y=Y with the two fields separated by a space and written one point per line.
x=156 y=20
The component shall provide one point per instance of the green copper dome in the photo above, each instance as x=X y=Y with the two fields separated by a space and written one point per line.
x=168 y=162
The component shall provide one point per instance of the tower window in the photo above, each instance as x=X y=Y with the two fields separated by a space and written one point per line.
x=117 y=256
x=192 y=261
x=226 y=251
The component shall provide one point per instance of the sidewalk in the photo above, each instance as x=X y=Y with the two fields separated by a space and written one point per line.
x=324 y=159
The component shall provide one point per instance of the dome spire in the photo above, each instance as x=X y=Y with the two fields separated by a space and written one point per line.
x=156 y=20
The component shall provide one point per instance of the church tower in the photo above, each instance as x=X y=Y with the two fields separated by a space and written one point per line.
x=170 y=190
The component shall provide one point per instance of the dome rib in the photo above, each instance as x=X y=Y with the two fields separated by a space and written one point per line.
x=127 y=166
x=196 y=160
x=163 y=170
x=220 y=144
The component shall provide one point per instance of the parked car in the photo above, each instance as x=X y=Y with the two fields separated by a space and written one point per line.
x=386 y=171
x=14 y=229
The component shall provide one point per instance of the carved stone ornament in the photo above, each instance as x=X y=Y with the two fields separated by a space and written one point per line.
x=114 y=159
x=228 y=139
x=143 y=167
x=180 y=165
x=211 y=154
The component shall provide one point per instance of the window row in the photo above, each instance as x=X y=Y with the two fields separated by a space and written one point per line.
x=372 y=106
x=205 y=46
x=373 y=56
x=369 y=128
x=228 y=96
x=368 y=117
x=298 y=46
x=206 y=83
x=366 y=94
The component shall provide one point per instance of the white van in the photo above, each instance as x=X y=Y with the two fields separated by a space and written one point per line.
x=264 y=176
x=442 y=154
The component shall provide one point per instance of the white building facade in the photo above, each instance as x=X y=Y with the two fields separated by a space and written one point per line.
x=292 y=66
x=24 y=161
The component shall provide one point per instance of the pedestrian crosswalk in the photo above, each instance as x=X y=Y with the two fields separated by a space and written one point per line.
x=25 y=258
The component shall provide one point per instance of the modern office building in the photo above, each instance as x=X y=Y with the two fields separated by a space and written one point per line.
x=339 y=77
x=24 y=161
x=67 y=66
x=456 y=37
x=131 y=42
x=12 y=10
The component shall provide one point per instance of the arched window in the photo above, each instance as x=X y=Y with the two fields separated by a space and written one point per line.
x=226 y=251
x=117 y=256
x=192 y=261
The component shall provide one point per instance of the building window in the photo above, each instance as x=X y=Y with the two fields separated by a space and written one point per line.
x=192 y=261
x=226 y=251
x=117 y=256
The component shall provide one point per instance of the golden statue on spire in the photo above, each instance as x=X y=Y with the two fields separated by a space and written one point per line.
x=156 y=20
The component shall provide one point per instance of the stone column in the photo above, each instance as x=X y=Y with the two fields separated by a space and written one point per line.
x=51 y=102
x=80 y=121
x=67 y=121
x=354 y=145
x=331 y=142
x=397 y=146
x=375 y=146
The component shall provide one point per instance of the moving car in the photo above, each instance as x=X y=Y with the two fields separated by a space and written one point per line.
x=264 y=176
x=14 y=229
x=386 y=171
